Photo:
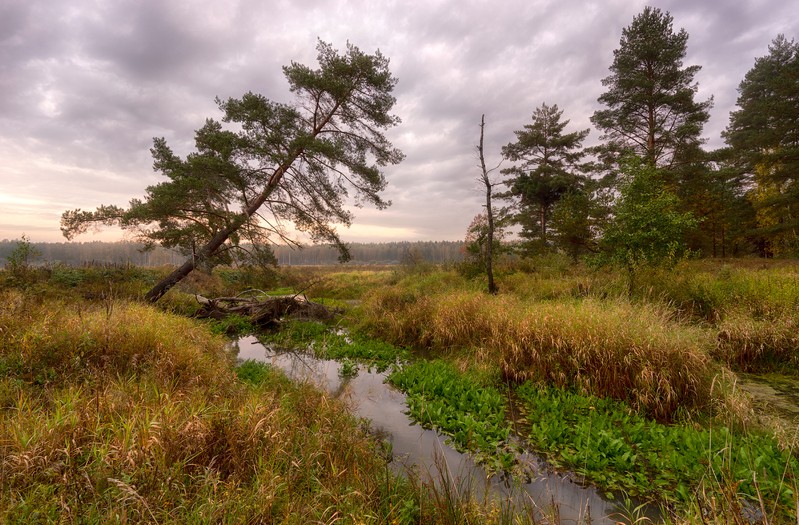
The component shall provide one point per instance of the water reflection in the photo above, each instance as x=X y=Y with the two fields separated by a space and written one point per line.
x=425 y=451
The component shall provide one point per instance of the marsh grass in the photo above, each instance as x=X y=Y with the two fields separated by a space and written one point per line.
x=749 y=344
x=120 y=413
x=612 y=348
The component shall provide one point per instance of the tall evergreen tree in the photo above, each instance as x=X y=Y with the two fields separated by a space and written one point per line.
x=548 y=168
x=650 y=107
x=764 y=137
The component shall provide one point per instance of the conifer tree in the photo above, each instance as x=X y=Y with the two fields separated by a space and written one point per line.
x=548 y=167
x=279 y=163
x=763 y=135
x=650 y=109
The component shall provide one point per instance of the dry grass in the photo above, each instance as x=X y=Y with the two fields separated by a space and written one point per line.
x=611 y=348
x=614 y=349
x=750 y=344
x=119 y=413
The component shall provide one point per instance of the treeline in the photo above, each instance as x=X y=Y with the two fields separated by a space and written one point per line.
x=651 y=183
x=131 y=253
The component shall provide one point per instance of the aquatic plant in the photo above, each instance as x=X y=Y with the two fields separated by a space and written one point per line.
x=621 y=451
x=469 y=412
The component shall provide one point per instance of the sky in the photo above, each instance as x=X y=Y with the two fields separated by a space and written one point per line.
x=85 y=85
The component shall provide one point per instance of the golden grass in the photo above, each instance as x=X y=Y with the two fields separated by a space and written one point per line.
x=120 y=413
x=750 y=344
x=610 y=348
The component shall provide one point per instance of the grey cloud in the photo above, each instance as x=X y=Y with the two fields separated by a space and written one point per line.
x=86 y=84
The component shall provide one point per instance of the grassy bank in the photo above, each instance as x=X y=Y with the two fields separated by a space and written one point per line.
x=612 y=348
x=120 y=413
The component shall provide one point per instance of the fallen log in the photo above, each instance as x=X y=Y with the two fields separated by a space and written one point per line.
x=263 y=312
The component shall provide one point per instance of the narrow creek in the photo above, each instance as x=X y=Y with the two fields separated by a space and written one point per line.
x=427 y=452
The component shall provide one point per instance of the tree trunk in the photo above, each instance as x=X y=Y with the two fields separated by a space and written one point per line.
x=219 y=239
x=492 y=287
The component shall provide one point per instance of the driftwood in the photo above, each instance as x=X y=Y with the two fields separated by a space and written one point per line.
x=264 y=312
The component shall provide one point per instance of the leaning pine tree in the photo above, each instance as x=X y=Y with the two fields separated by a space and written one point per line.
x=294 y=163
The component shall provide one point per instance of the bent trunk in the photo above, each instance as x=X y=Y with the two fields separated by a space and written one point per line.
x=216 y=242
x=221 y=236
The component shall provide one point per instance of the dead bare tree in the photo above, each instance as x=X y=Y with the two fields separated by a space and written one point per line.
x=489 y=185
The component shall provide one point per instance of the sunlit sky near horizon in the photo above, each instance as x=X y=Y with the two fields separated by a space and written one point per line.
x=86 y=85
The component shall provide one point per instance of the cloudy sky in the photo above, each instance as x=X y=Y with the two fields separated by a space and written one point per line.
x=86 y=84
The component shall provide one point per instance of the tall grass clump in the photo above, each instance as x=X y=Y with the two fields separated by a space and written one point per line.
x=759 y=345
x=56 y=340
x=710 y=290
x=753 y=307
x=612 y=348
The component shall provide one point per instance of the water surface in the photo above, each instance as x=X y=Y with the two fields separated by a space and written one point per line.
x=426 y=452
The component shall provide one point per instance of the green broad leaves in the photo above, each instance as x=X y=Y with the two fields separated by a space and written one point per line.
x=470 y=413
x=649 y=227
x=609 y=445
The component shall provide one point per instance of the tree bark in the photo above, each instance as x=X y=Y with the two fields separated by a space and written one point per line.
x=492 y=287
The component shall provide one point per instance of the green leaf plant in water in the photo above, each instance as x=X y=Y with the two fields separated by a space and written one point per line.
x=608 y=444
x=470 y=413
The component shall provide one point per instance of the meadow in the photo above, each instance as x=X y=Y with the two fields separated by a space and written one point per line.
x=116 y=411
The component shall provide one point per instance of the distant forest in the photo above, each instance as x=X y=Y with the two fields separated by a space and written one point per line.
x=86 y=253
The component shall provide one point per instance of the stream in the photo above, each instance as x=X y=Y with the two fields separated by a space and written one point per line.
x=426 y=452
x=775 y=393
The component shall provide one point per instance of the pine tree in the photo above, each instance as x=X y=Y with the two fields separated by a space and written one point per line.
x=548 y=168
x=764 y=137
x=281 y=163
x=650 y=107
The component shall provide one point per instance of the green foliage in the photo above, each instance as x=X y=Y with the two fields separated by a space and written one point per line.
x=547 y=170
x=621 y=451
x=348 y=368
x=255 y=373
x=575 y=219
x=762 y=135
x=648 y=228
x=469 y=412
x=476 y=245
x=650 y=95
x=233 y=324
x=67 y=276
x=288 y=163
x=330 y=343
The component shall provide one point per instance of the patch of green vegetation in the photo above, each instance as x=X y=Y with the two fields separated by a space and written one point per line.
x=470 y=413
x=254 y=372
x=622 y=451
x=330 y=343
x=349 y=368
